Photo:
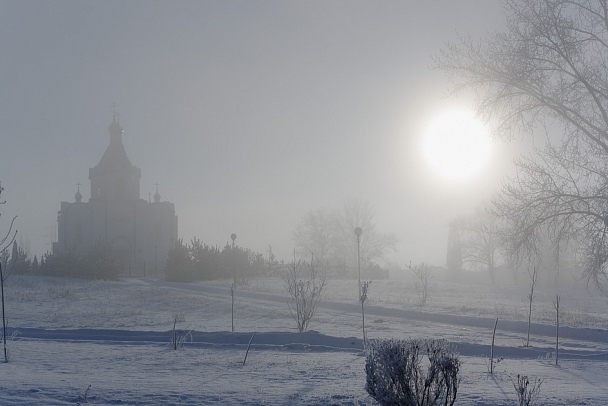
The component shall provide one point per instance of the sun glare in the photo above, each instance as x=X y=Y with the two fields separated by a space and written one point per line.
x=456 y=145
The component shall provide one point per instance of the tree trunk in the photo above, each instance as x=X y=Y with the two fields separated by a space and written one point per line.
x=491 y=272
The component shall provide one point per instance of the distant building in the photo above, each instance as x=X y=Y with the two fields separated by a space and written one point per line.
x=141 y=232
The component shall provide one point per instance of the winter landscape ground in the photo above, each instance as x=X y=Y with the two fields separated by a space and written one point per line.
x=78 y=341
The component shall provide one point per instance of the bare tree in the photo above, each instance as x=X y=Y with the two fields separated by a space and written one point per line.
x=315 y=235
x=533 y=278
x=548 y=73
x=492 y=361
x=556 y=306
x=480 y=241
x=374 y=246
x=5 y=242
x=454 y=254
x=306 y=291
x=422 y=272
x=330 y=234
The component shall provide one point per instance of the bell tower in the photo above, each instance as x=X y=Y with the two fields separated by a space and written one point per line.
x=115 y=178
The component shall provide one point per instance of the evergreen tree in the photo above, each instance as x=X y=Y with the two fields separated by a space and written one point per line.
x=35 y=266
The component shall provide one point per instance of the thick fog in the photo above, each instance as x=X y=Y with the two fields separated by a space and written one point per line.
x=247 y=114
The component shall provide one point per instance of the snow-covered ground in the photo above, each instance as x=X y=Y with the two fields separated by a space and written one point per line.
x=78 y=341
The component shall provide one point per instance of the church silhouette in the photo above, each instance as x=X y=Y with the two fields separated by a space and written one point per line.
x=139 y=231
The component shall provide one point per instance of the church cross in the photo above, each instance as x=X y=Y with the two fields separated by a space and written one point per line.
x=114 y=113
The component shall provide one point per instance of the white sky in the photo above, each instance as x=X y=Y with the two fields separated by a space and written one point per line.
x=247 y=114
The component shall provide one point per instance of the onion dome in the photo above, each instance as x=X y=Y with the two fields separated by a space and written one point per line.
x=156 y=195
x=78 y=196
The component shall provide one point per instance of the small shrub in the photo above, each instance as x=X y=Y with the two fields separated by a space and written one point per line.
x=179 y=337
x=527 y=392
x=396 y=374
x=422 y=272
x=306 y=291
x=84 y=398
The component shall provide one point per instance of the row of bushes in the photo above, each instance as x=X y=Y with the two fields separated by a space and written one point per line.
x=198 y=261
x=101 y=262
x=186 y=263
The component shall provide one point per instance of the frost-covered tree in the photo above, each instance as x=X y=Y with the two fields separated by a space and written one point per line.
x=315 y=235
x=305 y=283
x=547 y=75
x=374 y=246
x=480 y=241
x=330 y=234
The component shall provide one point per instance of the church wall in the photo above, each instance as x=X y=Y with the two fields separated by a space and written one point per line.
x=112 y=184
x=74 y=227
x=140 y=232
x=157 y=230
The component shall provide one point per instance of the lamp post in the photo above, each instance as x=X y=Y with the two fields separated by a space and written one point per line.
x=358 y=232
x=233 y=288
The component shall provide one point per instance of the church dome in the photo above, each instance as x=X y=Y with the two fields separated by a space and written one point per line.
x=115 y=128
x=114 y=177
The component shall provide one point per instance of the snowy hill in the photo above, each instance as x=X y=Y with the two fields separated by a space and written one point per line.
x=109 y=342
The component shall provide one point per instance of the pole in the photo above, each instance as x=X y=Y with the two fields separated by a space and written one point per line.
x=359 y=264
x=233 y=288
x=358 y=232
x=3 y=314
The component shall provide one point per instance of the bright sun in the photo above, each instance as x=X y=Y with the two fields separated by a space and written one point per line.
x=456 y=145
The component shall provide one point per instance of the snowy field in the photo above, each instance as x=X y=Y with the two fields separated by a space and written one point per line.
x=77 y=342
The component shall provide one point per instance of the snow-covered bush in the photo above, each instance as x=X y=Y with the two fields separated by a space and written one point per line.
x=411 y=372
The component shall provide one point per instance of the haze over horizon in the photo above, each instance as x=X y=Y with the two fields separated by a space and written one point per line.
x=246 y=114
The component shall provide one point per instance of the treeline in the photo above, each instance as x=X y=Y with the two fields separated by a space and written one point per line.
x=99 y=263
x=186 y=263
x=198 y=261
x=15 y=260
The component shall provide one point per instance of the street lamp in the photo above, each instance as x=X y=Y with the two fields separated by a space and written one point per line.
x=233 y=288
x=358 y=232
x=233 y=237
